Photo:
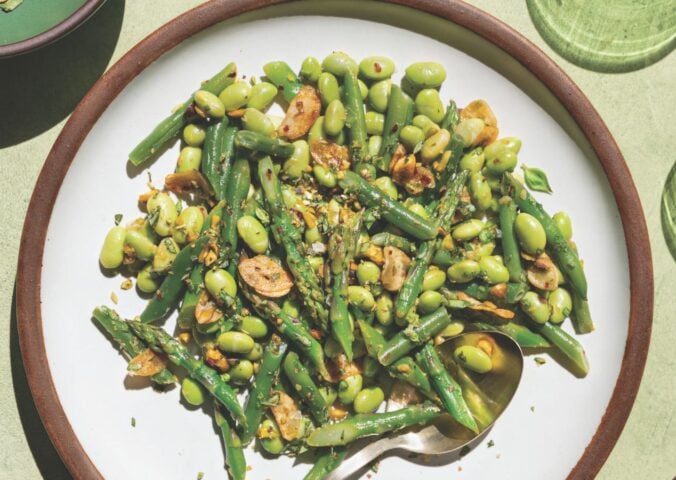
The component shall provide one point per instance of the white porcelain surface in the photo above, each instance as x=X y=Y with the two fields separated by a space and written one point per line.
x=554 y=414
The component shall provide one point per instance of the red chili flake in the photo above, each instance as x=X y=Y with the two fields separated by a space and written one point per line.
x=377 y=67
x=286 y=128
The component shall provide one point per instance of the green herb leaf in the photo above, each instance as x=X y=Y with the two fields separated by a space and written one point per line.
x=118 y=218
x=536 y=179
x=133 y=421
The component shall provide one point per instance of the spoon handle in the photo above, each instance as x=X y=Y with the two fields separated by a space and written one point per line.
x=362 y=456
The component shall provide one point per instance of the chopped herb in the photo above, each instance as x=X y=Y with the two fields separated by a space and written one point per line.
x=464 y=451
x=200 y=475
x=133 y=422
x=118 y=218
x=490 y=444
x=532 y=408
x=536 y=179
x=540 y=361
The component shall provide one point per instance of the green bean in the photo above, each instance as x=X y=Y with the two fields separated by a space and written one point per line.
x=234 y=453
x=366 y=424
x=399 y=113
x=581 y=315
x=566 y=344
x=521 y=334
x=563 y=255
x=355 y=121
x=172 y=285
x=386 y=239
x=405 y=341
x=259 y=395
x=446 y=387
x=302 y=383
x=260 y=143
x=392 y=211
x=510 y=249
x=236 y=191
x=169 y=128
x=284 y=78
x=215 y=145
x=128 y=343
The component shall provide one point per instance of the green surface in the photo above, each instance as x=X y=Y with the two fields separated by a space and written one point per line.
x=33 y=17
x=607 y=36
x=637 y=106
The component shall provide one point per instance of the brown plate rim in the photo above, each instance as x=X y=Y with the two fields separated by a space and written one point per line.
x=168 y=36
x=57 y=31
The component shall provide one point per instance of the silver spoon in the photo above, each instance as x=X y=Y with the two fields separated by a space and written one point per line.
x=490 y=395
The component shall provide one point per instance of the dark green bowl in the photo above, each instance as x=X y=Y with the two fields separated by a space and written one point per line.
x=33 y=24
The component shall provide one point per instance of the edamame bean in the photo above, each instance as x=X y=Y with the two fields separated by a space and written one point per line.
x=235 y=96
x=291 y=308
x=530 y=233
x=429 y=103
x=190 y=158
x=493 y=270
x=147 y=280
x=235 y=342
x=339 y=63
x=192 y=392
x=312 y=235
x=463 y=271
x=328 y=88
x=366 y=170
x=563 y=223
x=379 y=95
x=209 y=104
x=112 y=251
x=363 y=89
x=374 y=123
x=535 y=307
x=348 y=388
x=429 y=301
x=368 y=273
x=426 y=74
x=387 y=186
x=376 y=68
x=453 y=329
x=194 y=135
x=504 y=162
x=368 y=400
x=317 y=264
x=435 y=145
x=480 y=191
x=467 y=230
x=257 y=121
x=384 y=308
x=144 y=249
x=310 y=69
x=424 y=123
x=513 y=144
x=188 y=225
x=241 y=371
x=261 y=96
x=253 y=233
x=220 y=284
x=269 y=437
x=299 y=161
x=473 y=358
x=332 y=348
x=469 y=130
x=411 y=136
x=255 y=354
x=561 y=304
x=433 y=279
x=253 y=326
x=473 y=161
x=418 y=210
x=165 y=255
x=161 y=213
x=375 y=142
x=360 y=297
x=324 y=176
x=316 y=132
x=334 y=117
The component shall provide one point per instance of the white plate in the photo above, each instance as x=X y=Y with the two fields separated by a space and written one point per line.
x=554 y=414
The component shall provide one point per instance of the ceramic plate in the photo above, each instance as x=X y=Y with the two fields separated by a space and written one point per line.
x=33 y=24
x=554 y=416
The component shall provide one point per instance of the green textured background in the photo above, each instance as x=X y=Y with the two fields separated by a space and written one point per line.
x=37 y=92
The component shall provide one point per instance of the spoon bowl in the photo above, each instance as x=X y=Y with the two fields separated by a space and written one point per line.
x=487 y=395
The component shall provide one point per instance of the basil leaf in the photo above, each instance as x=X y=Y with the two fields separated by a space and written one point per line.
x=536 y=179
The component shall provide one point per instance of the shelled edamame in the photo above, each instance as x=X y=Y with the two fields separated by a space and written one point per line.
x=315 y=257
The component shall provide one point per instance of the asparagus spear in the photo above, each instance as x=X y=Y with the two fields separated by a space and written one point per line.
x=257 y=142
x=446 y=387
x=356 y=120
x=235 y=462
x=391 y=210
x=284 y=78
x=342 y=247
x=306 y=279
x=328 y=461
x=510 y=247
x=399 y=114
x=129 y=344
x=161 y=341
x=363 y=425
x=566 y=344
x=218 y=148
x=170 y=127
x=581 y=316
x=236 y=191
x=444 y=215
x=302 y=383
